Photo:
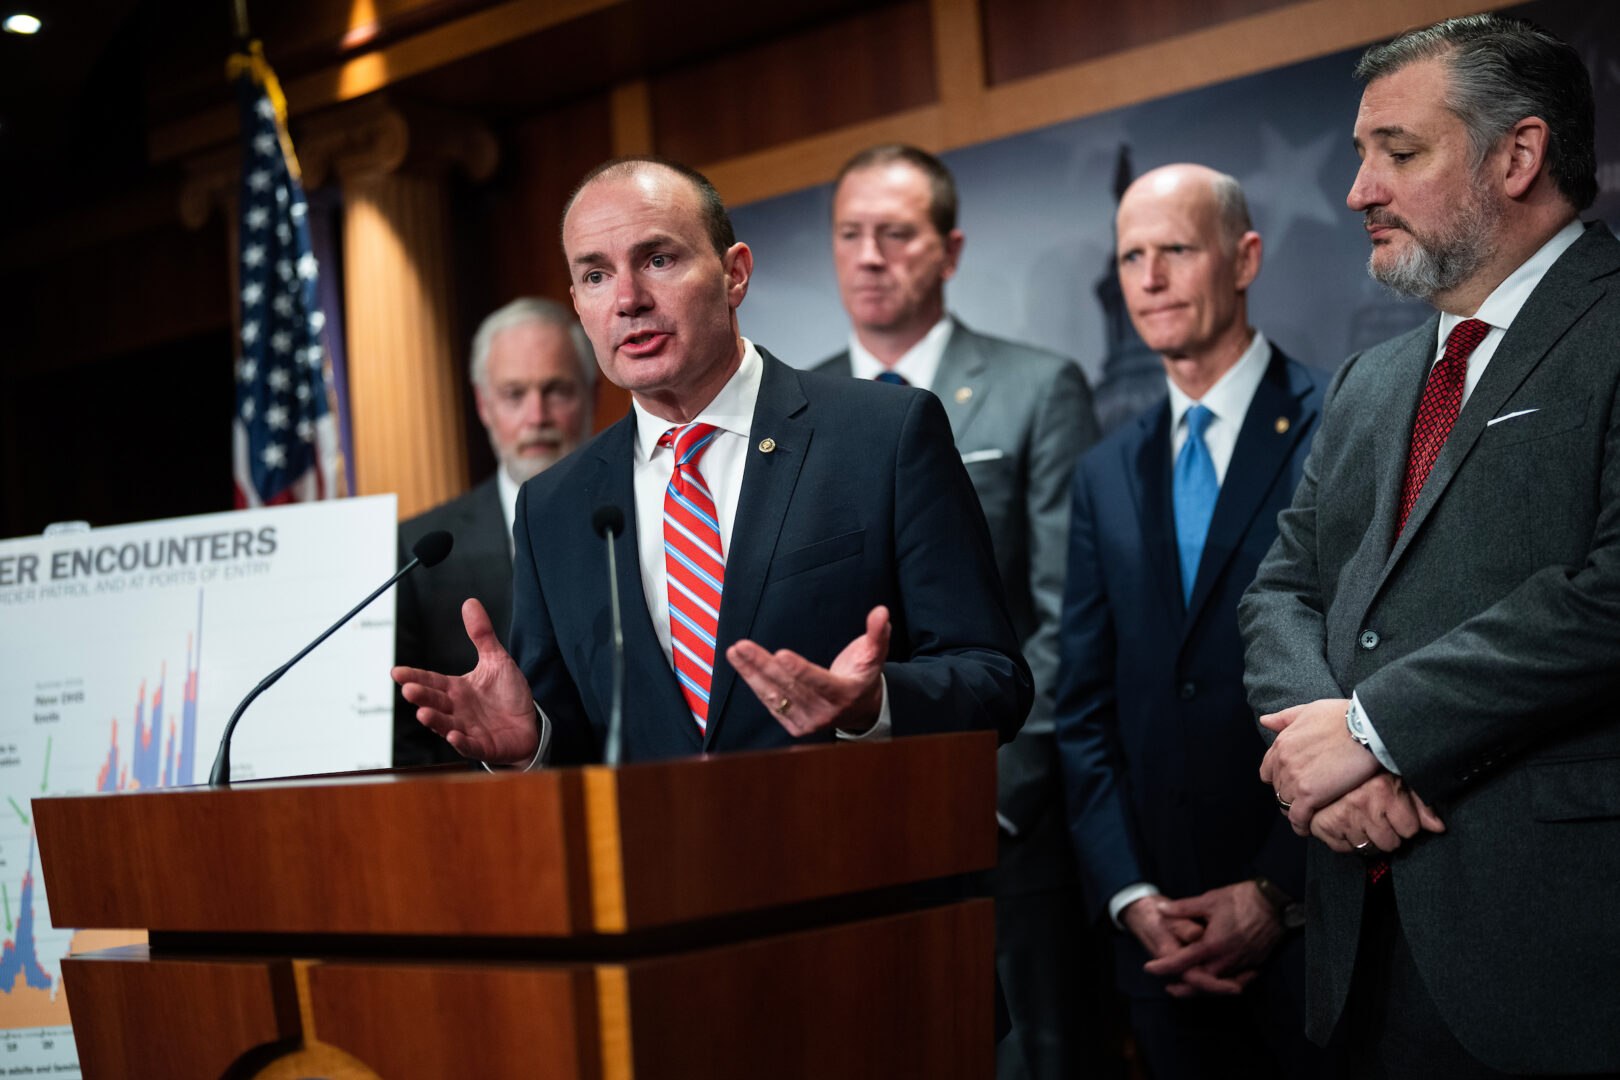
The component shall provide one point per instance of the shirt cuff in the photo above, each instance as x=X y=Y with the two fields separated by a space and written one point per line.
x=1361 y=730
x=542 y=753
x=882 y=728
x=1127 y=896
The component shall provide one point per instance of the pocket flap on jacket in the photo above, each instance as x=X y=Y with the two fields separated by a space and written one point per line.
x=1581 y=790
x=810 y=556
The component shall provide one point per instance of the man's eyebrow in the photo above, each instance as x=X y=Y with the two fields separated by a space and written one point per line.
x=592 y=258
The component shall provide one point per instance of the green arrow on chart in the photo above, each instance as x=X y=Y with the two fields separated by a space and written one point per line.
x=17 y=808
x=6 y=893
x=42 y=779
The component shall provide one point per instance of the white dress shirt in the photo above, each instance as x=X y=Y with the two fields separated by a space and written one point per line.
x=918 y=366
x=508 y=489
x=1228 y=401
x=1499 y=310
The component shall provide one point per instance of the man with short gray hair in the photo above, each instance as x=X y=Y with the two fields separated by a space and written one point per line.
x=533 y=376
x=1435 y=636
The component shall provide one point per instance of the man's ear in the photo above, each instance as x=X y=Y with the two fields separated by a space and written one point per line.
x=953 y=252
x=738 y=262
x=1526 y=155
x=1246 y=261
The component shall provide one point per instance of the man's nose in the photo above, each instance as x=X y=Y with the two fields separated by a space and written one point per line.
x=633 y=297
x=1367 y=190
x=868 y=253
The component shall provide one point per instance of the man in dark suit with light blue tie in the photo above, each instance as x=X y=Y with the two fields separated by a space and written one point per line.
x=1172 y=512
x=858 y=593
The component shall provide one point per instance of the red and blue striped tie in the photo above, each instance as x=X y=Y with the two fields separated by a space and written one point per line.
x=695 y=565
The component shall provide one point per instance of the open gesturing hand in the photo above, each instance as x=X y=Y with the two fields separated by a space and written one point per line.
x=485 y=714
x=805 y=697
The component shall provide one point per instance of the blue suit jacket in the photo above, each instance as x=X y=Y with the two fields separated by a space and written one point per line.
x=861 y=501
x=1159 y=749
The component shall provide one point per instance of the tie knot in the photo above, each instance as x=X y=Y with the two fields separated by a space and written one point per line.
x=894 y=378
x=1465 y=338
x=689 y=442
x=1198 y=420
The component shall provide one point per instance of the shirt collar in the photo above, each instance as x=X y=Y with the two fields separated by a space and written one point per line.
x=731 y=410
x=1229 y=398
x=1503 y=305
x=508 y=489
x=917 y=366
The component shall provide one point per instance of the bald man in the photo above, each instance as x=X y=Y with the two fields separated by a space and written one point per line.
x=1171 y=515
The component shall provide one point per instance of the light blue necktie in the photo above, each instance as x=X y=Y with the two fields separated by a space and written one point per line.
x=1195 y=490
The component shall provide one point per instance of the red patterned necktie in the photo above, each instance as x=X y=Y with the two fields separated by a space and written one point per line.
x=1437 y=412
x=694 y=565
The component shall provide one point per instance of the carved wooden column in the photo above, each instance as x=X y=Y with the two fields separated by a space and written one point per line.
x=406 y=362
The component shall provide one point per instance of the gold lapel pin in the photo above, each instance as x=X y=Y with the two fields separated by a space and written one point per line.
x=1282 y=425
x=766 y=445
x=963 y=394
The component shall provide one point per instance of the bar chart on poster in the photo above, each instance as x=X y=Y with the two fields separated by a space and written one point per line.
x=122 y=653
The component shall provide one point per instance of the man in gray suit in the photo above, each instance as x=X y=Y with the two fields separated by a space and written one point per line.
x=532 y=375
x=1020 y=418
x=1440 y=615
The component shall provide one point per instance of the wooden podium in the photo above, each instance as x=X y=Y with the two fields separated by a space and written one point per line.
x=753 y=915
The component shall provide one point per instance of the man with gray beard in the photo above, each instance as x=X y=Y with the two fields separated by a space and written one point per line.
x=1434 y=639
x=533 y=375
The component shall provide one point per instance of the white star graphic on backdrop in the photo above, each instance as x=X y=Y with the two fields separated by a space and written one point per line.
x=251 y=293
x=317 y=320
x=253 y=255
x=259 y=180
x=276 y=416
x=284 y=268
x=266 y=110
x=247 y=410
x=278 y=379
x=1285 y=189
x=302 y=391
x=246 y=371
x=263 y=144
x=250 y=332
x=258 y=217
x=284 y=233
x=283 y=304
x=306 y=266
x=274 y=456
x=306 y=430
x=281 y=341
x=281 y=196
x=316 y=353
x=299 y=209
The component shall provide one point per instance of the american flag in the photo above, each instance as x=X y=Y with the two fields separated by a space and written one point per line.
x=285 y=442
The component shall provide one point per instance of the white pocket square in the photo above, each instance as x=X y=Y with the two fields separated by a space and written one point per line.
x=1510 y=416
x=983 y=455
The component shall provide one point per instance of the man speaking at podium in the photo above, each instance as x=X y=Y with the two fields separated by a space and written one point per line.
x=813 y=538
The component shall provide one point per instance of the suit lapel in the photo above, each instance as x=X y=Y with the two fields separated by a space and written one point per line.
x=836 y=365
x=1150 y=489
x=1558 y=302
x=647 y=674
x=960 y=382
x=767 y=488
x=1272 y=428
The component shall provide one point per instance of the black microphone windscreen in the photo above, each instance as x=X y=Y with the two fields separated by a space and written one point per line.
x=432 y=548
x=607 y=520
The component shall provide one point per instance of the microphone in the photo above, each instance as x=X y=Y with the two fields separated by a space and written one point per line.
x=428 y=551
x=608 y=521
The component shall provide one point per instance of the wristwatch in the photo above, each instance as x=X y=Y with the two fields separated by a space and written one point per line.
x=1289 y=910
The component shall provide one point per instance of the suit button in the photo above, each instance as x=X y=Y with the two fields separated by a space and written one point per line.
x=1188 y=691
x=1369 y=639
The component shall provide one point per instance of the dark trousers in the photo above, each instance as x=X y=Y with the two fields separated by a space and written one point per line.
x=1259 y=1033
x=1390 y=1028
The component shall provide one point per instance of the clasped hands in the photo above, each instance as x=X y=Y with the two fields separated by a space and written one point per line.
x=1333 y=788
x=488 y=713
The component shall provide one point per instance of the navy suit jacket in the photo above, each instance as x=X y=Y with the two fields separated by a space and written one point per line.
x=860 y=500
x=1159 y=749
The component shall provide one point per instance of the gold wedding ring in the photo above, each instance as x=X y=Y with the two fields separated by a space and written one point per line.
x=1282 y=803
x=783 y=706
